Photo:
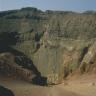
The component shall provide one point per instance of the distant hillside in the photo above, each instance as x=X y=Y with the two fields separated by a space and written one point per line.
x=72 y=25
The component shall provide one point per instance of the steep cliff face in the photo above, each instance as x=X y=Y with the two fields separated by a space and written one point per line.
x=56 y=42
x=49 y=61
x=89 y=61
x=56 y=58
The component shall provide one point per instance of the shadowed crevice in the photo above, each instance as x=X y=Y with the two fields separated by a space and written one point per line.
x=5 y=92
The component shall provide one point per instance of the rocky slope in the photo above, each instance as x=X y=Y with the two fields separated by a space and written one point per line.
x=57 y=43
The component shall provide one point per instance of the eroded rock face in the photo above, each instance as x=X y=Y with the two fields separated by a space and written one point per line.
x=48 y=61
x=8 y=67
x=58 y=59
x=89 y=61
x=56 y=42
x=55 y=60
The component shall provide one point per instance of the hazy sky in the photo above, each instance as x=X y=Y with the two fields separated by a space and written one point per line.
x=72 y=5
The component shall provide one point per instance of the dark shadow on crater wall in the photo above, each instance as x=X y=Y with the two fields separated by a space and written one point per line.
x=7 y=39
x=40 y=80
x=85 y=50
x=5 y=92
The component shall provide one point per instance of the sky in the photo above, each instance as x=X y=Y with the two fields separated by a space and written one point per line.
x=66 y=5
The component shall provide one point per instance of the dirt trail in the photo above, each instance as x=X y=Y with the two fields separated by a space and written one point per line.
x=72 y=88
x=81 y=89
x=26 y=89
